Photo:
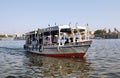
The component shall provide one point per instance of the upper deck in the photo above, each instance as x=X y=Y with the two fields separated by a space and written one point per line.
x=59 y=34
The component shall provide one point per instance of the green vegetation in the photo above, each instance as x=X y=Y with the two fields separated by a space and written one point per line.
x=102 y=33
x=10 y=35
x=99 y=32
x=2 y=36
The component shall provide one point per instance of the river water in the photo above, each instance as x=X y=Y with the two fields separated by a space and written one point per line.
x=102 y=60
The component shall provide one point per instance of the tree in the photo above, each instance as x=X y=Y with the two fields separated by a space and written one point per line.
x=99 y=32
x=2 y=36
x=109 y=31
x=116 y=30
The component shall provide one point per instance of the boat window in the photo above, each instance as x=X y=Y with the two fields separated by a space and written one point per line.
x=65 y=30
x=51 y=33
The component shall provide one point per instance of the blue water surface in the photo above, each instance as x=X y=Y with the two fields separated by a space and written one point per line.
x=102 y=60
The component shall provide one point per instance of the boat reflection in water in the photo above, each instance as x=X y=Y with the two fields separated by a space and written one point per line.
x=57 y=67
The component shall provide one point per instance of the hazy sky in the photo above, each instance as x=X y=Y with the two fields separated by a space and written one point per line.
x=20 y=16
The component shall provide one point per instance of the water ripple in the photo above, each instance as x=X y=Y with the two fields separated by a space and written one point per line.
x=101 y=61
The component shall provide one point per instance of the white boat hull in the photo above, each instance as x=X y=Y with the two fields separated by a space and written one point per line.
x=61 y=51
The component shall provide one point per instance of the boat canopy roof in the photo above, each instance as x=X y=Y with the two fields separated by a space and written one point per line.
x=31 y=32
x=55 y=28
x=80 y=27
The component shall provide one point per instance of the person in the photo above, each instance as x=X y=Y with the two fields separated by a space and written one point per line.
x=64 y=38
x=76 y=40
x=48 y=42
x=67 y=41
x=54 y=39
x=40 y=43
x=34 y=44
x=71 y=39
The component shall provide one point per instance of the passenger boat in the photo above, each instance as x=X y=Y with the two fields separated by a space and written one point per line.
x=58 y=41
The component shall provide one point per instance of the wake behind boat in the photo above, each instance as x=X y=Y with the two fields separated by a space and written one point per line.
x=58 y=41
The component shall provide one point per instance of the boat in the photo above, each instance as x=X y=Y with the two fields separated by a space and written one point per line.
x=58 y=41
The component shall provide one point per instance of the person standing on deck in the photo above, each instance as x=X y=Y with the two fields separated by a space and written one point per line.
x=40 y=43
x=48 y=42
x=64 y=38
x=54 y=40
x=34 y=44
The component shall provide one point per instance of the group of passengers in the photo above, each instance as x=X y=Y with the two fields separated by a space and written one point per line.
x=39 y=41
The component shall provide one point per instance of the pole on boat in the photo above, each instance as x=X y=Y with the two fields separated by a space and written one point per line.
x=76 y=25
x=59 y=36
x=42 y=38
x=50 y=33
x=70 y=31
x=87 y=28
x=78 y=32
x=58 y=46
x=55 y=24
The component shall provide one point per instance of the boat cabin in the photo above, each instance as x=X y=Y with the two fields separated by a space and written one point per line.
x=58 y=35
x=59 y=40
